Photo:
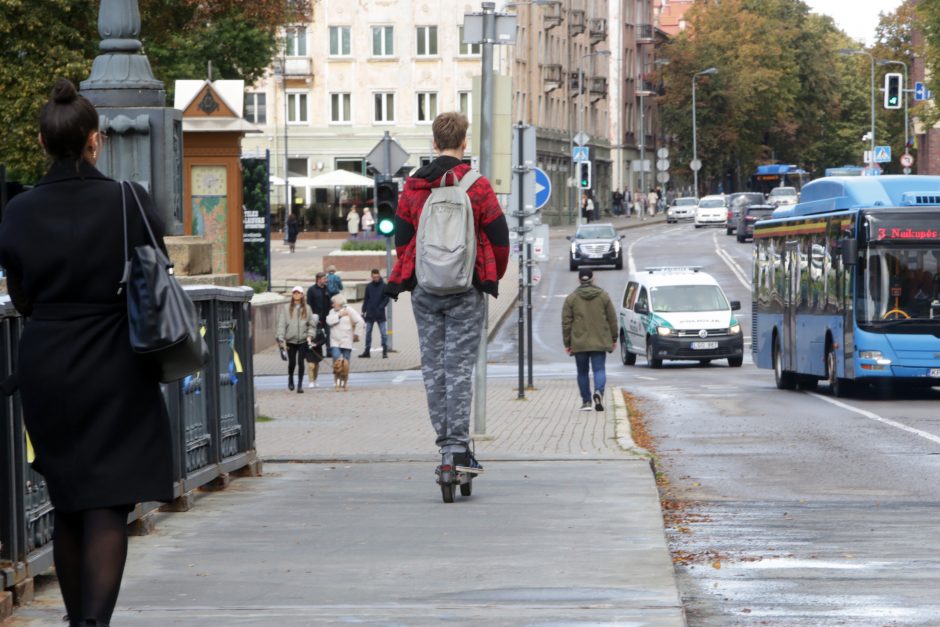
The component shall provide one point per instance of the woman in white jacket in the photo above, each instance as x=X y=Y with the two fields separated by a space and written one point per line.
x=346 y=325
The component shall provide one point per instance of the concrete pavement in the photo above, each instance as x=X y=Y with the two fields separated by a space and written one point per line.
x=347 y=524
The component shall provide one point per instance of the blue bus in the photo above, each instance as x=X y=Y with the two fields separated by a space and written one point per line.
x=847 y=284
x=767 y=177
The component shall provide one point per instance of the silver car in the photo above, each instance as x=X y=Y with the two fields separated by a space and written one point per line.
x=681 y=209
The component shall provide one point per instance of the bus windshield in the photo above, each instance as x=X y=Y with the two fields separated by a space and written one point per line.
x=688 y=298
x=898 y=283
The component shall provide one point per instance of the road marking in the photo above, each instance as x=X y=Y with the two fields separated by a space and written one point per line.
x=872 y=416
x=400 y=378
x=646 y=378
x=731 y=263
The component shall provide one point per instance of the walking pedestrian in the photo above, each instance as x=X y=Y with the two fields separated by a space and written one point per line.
x=296 y=328
x=450 y=326
x=589 y=329
x=652 y=200
x=588 y=204
x=92 y=406
x=627 y=202
x=373 y=310
x=346 y=325
x=318 y=298
x=352 y=222
x=293 y=229
x=617 y=202
x=334 y=284
x=368 y=222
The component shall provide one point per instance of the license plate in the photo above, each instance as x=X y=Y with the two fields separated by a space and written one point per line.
x=699 y=346
x=595 y=255
x=934 y=373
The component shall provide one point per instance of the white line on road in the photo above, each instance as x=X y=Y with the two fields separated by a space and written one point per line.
x=399 y=379
x=872 y=416
x=731 y=263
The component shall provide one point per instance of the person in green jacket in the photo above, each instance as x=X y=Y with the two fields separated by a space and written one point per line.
x=589 y=327
x=296 y=328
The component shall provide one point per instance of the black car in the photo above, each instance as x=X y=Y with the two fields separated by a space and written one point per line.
x=596 y=245
x=736 y=203
x=750 y=216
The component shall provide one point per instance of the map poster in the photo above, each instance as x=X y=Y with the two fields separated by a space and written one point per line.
x=257 y=223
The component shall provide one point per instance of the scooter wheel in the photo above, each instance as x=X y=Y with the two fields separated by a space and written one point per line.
x=447 y=492
x=466 y=489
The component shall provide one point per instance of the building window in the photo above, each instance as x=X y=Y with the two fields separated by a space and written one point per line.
x=340 y=108
x=465 y=103
x=297 y=166
x=256 y=108
x=427 y=41
x=427 y=106
x=383 y=41
x=384 y=107
x=467 y=50
x=340 y=45
x=351 y=165
x=297 y=108
x=296 y=39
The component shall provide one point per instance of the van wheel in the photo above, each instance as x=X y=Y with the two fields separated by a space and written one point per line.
x=838 y=387
x=784 y=379
x=652 y=361
x=741 y=239
x=735 y=362
x=626 y=356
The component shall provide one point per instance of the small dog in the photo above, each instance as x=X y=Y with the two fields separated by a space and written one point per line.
x=341 y=373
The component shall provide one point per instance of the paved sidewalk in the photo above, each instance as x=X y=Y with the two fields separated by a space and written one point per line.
x=347 y=524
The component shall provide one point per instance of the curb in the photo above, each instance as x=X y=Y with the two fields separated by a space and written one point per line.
x=622 y=431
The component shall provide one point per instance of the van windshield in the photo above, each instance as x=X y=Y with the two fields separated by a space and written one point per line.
x=688 y=298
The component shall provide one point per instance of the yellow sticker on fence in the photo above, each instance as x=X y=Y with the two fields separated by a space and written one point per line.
x=202 y=330
x=30 y=453
x=238 y=362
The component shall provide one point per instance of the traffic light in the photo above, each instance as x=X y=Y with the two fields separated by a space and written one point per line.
x=893 y=90
x=386 y=204
x=584 y=175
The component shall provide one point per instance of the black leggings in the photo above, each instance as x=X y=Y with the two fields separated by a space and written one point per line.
x=295 y=357
x=89 y=549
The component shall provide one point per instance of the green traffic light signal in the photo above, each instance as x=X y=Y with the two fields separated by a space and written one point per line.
x=584 y=174
x=386 y=205
x=892 y=90
x=386 y=227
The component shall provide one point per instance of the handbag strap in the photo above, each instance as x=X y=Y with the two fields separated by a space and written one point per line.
x=143 y=216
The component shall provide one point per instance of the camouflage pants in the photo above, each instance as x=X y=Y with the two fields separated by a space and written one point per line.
x=449 y=331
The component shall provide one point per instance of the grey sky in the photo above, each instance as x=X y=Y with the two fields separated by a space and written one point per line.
x=858 y=18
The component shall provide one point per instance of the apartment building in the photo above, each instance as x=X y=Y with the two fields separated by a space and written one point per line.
x=351 y=74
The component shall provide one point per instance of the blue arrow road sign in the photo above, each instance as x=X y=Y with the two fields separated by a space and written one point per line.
x=543 y=188
x=919 y=91
x=580 y=153
x=882 y=154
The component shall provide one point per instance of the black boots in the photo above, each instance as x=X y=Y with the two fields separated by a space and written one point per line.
x=384 y=352
x=290 y=383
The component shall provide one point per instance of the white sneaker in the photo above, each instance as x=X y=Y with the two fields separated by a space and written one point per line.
x=312 y=384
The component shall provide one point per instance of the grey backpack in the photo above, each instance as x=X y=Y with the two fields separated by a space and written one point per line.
x=446 y=248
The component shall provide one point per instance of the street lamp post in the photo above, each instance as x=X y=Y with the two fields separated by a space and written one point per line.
x=904 y=92
x=596 y=53
x=696 y=164
x=871 y=154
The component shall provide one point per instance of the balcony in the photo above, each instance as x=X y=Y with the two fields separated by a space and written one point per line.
x=298 y=67
x=552 y=77
x=551 y=14
x=645 y=34
x=576 y=21
x=598 y=87
x=598 y=30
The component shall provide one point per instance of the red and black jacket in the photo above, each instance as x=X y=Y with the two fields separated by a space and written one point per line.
x=492 y=230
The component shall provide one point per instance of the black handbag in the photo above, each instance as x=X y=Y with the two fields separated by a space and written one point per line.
x=162 y=318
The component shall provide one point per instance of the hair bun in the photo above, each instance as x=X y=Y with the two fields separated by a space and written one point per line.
x=64 y=91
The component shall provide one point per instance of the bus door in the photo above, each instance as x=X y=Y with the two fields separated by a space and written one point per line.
x=791 y=301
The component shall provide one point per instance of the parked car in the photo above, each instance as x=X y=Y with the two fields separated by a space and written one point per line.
x=736 y=204
x=596 y=245
x=750 y=216
x=678 y=313
x=711 y=210
x=681 y=209
x=783 y=196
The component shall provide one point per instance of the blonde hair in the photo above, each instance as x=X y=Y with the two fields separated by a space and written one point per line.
x=450 y=130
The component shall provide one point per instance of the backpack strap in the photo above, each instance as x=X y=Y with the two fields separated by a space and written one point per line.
x=471 y=177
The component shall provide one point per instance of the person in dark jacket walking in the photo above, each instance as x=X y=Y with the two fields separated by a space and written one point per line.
x=318 y=297
x=450 y=327
x=293 y=229
x=92 y=406
x=589 y=329
x=373 y=310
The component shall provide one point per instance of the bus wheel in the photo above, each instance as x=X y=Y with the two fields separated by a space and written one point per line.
x=784 y=379
x=807 y=382
x=839 y=388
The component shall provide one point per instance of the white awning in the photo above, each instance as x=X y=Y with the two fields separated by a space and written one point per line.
x=339 y=178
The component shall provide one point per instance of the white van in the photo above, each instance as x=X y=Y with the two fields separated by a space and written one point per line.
x=679 y=314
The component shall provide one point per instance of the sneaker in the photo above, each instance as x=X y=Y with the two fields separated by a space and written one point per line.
x=598 y=397
x=466 y=462
x=586 y=406
x=312 y=384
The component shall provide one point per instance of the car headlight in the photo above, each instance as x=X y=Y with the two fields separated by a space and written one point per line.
x=616 y=246
x=876 y=356
x=663 y=330
x=574 y=248
x=735 y=329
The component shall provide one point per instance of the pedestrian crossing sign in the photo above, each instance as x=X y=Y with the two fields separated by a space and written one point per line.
x=882 y=154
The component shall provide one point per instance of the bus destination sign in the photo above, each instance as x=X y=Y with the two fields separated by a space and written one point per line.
x=904 y=228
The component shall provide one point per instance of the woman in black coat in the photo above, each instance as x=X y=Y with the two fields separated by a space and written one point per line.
x=92 y=407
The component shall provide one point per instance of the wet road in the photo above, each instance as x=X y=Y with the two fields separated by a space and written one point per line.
x=793 y=508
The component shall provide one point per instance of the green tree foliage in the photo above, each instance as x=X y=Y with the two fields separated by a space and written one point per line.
x=781 y=95
x=47 y=39
x=894 y=40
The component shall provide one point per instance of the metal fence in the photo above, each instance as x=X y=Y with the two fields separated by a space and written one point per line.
x=212 y=418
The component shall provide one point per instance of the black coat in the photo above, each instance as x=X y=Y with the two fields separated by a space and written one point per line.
x=92 y=407
x=373 y=305
x=319 y=300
